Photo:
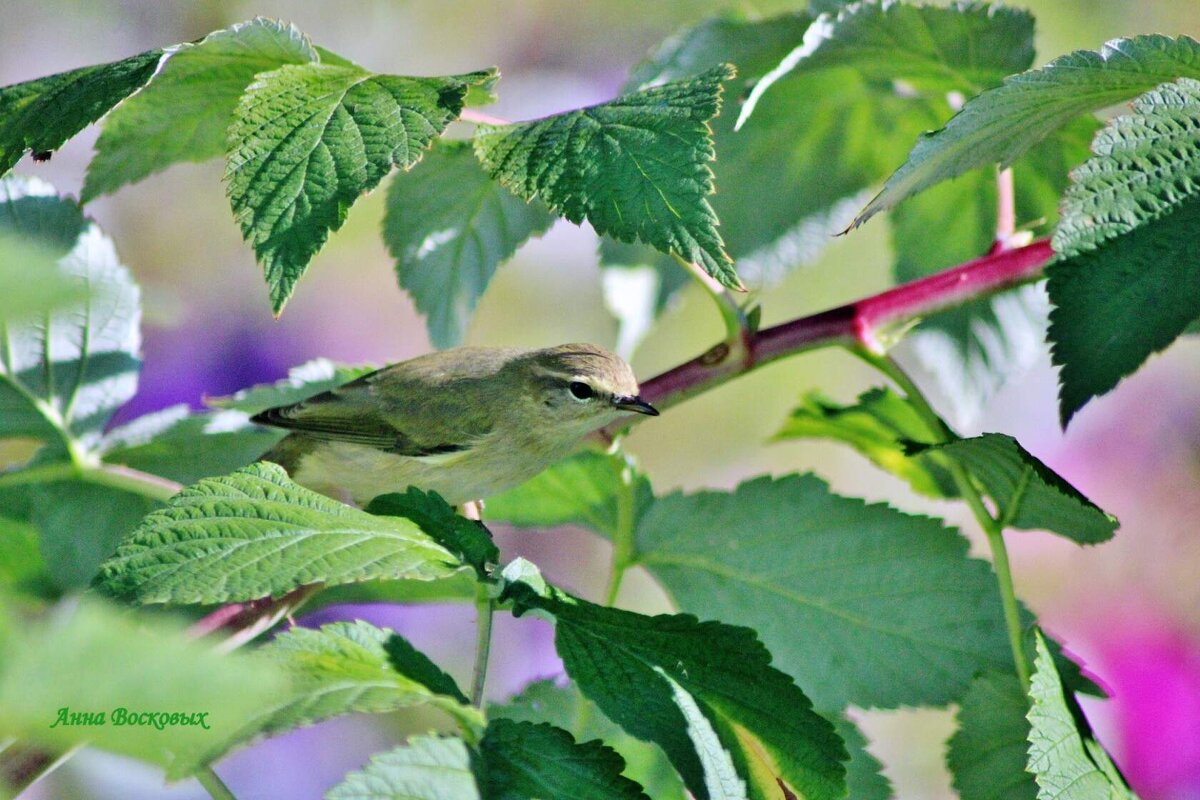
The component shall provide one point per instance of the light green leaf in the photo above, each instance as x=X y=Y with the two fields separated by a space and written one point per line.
x=40 y=115
x=524 y=760
x=31 y=281
x=468 y=539
x=345 y=668
x=311 y=377
x=62 y=376
x=100 y=660
x=986 y=755
x=427 y=768
x=307 y=140
x=184 y=112
x=21 y=565
x=185 y=447
x=860 y=603
x=636 y=168
x=564 y=706
x=1025 y=492
x=582 y=490
x=1064 y=757
x=730 y=723
x=1001 y=124
x=449 y=225
x=256 y=533
x=881 y=426
x=1129 y=283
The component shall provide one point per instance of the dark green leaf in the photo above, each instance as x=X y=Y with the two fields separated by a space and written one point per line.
x=1130 y=282
x=880 y=426
x=40 y=115
x=864 y=777
x=449 y=225
x=256 y=533
x=62 y=376
x=704 y=691
x=468 y=539
x=307 y=140
x=1025 y=492
x=987 y=753
x=522 y=760
x=427 y=768
x=311 y=377
x=184 y=112
x=1002 y=123
x=636 y=168
x=860 y=603
x=564 y=706
x=1064 y=757
x=583 y=490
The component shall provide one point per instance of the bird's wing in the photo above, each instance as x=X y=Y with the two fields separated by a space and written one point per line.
x=353 y=413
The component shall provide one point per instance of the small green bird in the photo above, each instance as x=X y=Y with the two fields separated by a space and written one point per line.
x=466 y=423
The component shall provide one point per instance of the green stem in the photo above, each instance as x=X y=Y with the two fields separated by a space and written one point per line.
x=622 y=553
x=992 y=528
x=213 y=784
x=132 y=480
x=486 y=607
x=737 y=326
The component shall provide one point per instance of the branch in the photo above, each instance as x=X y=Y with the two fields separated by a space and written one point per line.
x=863 y=323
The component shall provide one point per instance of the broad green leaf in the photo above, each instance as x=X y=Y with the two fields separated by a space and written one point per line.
x=40 y=115
x=184 y=112
x=63 y=375
x=859 y=603
x=524 y=760
x=587 y=489
x=307 y=140
x=1129 y=283
x=185 y=447
x=449 y=225
x=1002 y=123
x=102 y=661
x=345 y=668
x=564 y=706
x=881 y=426
x=864 y=777
x=311 y=377
x=1025 y=492
x=427 y=768
x=636 y=168
x=987 y=754
x=1066 y=760
x=256 y=533
x=21 y=565
x=31 y=282
x=705 y=692
x=468 y=539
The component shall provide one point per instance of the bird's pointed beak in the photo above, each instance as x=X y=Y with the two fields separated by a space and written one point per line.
x=637 y=404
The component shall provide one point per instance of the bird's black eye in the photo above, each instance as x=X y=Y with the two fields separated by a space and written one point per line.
x=581 y=391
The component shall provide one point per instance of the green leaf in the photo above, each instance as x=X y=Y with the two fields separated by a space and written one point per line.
x=860 y=603
x=96 y=659
x=345 y=668
x=427 y=768
x=864 y=777
x=255 y=533
x=185 y=447
x=565 y=707
x=184 y=112
x=986 y=755
x=1025 y=492
x=880 y=426
x=21 y=565
x=524 y=760
x=468 y=539
x=40 y=115
x=449 y=225
x=311 y=377
x=1002 y=123
x=636 y=168
x=62 y=376
x=581 y=490
x=1129 y=283
x=705 y=692
x=31 y=282
x=307 y=140
x=1064 y=757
